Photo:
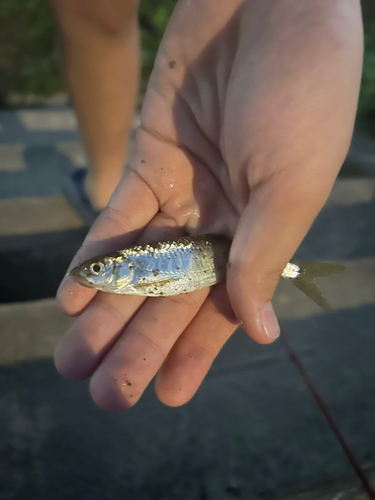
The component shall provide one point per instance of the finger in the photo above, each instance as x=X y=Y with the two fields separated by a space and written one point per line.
x=279 y=214
x=192 y=355
x=93 y=334
x=133 y=361
x=96 y=330
x=131 y=207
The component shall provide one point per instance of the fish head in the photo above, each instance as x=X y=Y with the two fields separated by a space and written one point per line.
x=105 y=273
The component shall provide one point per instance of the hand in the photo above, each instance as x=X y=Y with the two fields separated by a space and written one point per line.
x=246 y=122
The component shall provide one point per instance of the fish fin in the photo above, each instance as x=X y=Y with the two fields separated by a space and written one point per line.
x=318 y=269
x=311 y=289
x=305 y=281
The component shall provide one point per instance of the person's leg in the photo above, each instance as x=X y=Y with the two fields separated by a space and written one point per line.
x=100 y=49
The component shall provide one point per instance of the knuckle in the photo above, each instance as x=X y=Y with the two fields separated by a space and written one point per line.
x=179 y=300
x=103 y=303
x=237 y=268
x=251 y=283
x=203 y=350
x=186 y=300
x=114 y=216
x=111 y=219
x=150 y=341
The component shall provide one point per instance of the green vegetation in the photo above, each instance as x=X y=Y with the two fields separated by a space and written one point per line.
x=366 y=108
x=367 y=96
x=29 y=59
x=153 y=19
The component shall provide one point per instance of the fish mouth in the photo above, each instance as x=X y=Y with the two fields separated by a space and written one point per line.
x=75 y=273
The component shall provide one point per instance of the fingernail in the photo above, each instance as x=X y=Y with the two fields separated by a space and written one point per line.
x=270 y=323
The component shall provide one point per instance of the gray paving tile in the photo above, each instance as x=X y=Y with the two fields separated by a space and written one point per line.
x=30 y=330
x=42 y=176
x=33 y=265
x=339 y=355
x=352 y=191
x=39 y=120
x=59 y=99
x=355 y=287
x=247 y=433
x=36 y=215
x=74 y=151
x=12 y=158
x=345 y=489
x=341 y=233
x=361 y=156
x=14 y=131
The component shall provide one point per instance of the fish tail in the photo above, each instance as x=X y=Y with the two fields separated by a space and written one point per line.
x=305 y=280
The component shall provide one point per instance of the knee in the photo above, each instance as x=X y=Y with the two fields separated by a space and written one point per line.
x=112 y=17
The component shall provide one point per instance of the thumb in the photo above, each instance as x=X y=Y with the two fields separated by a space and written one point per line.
x=279 y=213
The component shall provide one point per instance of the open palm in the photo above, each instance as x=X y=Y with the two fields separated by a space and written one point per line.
x=246 y=122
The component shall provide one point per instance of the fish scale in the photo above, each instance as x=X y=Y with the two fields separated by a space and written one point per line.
x=180 y=266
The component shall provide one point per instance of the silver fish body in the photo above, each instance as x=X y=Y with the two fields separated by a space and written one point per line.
x=159 y=268
x=183 y=265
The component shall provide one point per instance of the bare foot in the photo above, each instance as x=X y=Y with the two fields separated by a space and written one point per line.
x=99 y=188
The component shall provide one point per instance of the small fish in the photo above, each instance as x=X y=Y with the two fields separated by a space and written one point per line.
x=165 y=268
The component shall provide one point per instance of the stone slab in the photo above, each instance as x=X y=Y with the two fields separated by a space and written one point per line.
x=14 y=131
x=252 y=431
x=355 y=287
x=341 y=233
x=60 y=99
x=41 y=178
x=30 y=330
x=48 y=120
x=34 y=264
x=11 y=158
x=352 y=191
x=360 y=160
x=74 y=151
x=37 y=215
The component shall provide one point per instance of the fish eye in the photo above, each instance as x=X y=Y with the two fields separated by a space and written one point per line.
x=97 y=268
